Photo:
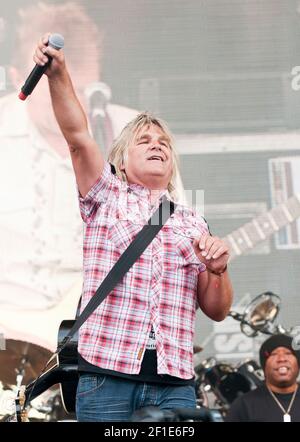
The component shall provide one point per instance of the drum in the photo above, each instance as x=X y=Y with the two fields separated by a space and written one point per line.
x=226 y=382
x=253 y=372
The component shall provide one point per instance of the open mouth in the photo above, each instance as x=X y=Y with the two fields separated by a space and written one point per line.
x=156 y=158
x=283 y=370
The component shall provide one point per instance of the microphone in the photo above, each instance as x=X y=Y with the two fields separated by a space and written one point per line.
x=98 y=95
x=56 y=41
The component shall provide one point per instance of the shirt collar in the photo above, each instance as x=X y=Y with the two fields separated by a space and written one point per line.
x=140 y=190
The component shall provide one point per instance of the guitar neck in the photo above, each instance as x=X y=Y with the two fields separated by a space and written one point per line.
x=58 y=374
x=248 y=236
x=39 y=386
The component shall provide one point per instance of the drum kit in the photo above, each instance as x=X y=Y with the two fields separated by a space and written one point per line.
x=218 y=383
x=20 y=363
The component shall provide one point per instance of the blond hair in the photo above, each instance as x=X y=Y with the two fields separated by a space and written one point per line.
x=119 y=151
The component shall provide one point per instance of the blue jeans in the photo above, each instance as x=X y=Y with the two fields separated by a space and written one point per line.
x=102 y=398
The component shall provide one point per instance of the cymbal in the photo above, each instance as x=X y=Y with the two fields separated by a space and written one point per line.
x=264 y=311
x=20 y=354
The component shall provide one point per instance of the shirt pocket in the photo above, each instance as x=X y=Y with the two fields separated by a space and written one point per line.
x=122 y=233
x=183 y=237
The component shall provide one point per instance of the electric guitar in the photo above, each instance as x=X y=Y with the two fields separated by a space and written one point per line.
x=262 y=227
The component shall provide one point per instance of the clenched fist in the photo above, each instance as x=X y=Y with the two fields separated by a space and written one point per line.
x=213 y=252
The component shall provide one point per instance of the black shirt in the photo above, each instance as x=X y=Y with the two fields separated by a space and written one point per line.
x=148 y=371
x=259 y=406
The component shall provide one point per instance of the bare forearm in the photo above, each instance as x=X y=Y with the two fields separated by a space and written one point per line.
x=215 y=294
x=67 y=108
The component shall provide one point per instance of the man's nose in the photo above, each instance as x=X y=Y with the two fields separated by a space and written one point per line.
x=282 y=357
x=156 y=146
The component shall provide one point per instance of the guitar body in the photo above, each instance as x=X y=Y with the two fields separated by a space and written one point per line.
x=67 y=360
x=65 y=373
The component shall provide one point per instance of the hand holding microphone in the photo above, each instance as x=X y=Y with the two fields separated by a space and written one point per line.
x=56 y=41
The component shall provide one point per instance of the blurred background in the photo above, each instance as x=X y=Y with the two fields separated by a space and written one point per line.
x=224 y=75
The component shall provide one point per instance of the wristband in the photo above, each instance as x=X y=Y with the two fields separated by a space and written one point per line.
x=217 y=273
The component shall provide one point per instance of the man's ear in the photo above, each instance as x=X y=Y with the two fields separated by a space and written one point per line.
x=15 y=77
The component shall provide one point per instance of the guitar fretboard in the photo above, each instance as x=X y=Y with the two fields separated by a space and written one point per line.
x=260 y=228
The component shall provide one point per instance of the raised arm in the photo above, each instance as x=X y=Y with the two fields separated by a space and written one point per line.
x=86 y=157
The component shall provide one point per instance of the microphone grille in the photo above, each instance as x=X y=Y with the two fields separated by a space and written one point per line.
x=56 y=41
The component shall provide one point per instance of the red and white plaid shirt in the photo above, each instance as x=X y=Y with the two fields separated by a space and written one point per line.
x=159 y=290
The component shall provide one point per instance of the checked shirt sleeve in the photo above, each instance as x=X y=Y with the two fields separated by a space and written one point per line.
x=100 y=192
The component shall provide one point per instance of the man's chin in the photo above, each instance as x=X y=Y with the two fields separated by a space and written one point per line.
x=159 y=169
x=284 y=382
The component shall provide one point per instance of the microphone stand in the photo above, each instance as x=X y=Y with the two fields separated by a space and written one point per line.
x=99 y=95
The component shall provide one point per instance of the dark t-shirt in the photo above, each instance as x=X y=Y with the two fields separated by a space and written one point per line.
x=259 y=406
x=148 y=371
